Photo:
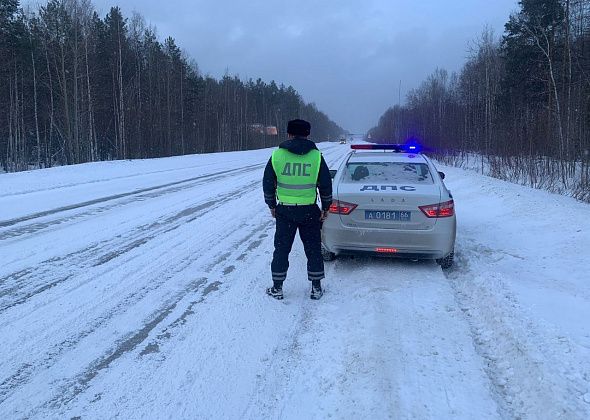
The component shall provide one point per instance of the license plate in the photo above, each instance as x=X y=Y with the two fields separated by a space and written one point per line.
x=393 y=216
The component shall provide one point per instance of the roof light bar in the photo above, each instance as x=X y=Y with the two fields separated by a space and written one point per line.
x=395 y=147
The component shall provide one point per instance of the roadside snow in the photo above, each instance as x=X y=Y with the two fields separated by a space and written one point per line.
x=523 y=280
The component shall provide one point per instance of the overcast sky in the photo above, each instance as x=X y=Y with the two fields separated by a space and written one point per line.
x=346 y=56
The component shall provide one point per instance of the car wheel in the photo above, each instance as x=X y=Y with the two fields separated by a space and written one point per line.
x=327 y=255
x=446 y=262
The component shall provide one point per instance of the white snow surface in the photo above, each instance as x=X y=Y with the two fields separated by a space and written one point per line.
x=136 y=290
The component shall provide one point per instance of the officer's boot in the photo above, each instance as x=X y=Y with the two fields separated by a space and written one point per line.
x=276 y=291
x=316 y=290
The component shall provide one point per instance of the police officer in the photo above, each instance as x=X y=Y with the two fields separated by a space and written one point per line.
x=293 y=175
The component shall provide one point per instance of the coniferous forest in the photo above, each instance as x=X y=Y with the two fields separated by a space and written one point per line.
x=78 y=87
x=520 y=105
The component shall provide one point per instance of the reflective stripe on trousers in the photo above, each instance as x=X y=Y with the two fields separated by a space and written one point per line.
x=279 y=276
x=315 y=275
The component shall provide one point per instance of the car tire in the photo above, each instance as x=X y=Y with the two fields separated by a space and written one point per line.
x=327 y=255
x=446 y=262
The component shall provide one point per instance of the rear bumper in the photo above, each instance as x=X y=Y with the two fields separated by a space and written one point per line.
x=437 y=242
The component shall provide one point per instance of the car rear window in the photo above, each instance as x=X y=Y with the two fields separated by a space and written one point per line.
x=390 y=172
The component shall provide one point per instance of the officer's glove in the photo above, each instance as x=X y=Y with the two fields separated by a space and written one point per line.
x=273 y=213
x=324 y=215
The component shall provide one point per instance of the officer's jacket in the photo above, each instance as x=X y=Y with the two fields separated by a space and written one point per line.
x=299 y=146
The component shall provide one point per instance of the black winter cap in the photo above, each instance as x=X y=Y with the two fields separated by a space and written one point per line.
x=299 y=128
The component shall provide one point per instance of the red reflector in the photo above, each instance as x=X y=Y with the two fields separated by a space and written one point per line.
x=446 y=209
x=386 y=250
x=342 y=207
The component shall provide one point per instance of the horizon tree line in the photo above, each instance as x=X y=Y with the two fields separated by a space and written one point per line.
x=76 y=87
x=521 y=102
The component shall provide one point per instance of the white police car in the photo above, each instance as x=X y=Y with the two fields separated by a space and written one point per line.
x=390 y=200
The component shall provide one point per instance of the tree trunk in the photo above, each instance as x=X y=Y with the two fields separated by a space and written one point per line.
x=38 y=137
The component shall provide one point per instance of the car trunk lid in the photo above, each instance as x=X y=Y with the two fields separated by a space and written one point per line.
x=388 y=206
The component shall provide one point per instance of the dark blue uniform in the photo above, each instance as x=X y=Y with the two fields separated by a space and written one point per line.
x=302 y=218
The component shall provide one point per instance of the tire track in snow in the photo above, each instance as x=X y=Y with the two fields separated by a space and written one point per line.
x=98 y=181
x=84 y=262
x=172 y=328
x=531 y=378
x=46 y=269
x=330 y=148
x=302 y=353
x=131 y=198
x=134 y=340
x=81 y=382
x=495 y=255
x=271 y=385
x=21 y=377
x=99 y=254
x=27 y=370
x=386 y=341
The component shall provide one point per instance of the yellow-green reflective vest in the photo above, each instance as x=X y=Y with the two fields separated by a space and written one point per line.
x=297 y=176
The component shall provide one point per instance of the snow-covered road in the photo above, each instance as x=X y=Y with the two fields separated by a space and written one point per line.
x=135 y=290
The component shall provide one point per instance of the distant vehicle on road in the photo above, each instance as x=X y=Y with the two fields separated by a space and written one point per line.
x=390 y=200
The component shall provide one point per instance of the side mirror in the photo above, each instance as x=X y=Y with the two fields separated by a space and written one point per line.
x=333 y=173
x=442 y=175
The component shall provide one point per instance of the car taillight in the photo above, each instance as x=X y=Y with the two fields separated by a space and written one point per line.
x=446 y=209
x=342 y=207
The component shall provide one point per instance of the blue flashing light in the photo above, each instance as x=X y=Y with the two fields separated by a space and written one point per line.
x=412 y=145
